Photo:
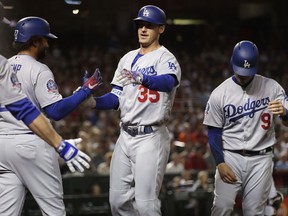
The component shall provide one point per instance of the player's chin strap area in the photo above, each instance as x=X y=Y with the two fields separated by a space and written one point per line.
x=251 y=153
x=134 y=130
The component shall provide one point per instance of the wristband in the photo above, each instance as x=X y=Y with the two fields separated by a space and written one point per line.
x=60 y=147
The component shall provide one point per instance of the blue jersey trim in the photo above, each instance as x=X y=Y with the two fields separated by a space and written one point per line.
x=109 y=100
x=3 y=109
x=163 y=83
x=24 y=110
x=62 y=108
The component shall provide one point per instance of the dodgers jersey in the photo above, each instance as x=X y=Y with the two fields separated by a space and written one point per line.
x=138 y=104
x=37 y=82
x=243 y=114
x=10 y=90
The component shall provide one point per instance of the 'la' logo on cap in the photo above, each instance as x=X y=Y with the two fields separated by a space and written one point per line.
x=145 y=12
x=16 y=34
x=246 y=64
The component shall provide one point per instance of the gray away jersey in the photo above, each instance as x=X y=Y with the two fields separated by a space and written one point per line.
x=37 y=82
x=243 y=114
x=138 y=104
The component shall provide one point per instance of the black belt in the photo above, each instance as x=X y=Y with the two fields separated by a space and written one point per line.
x=251 y=153
x=134 y=130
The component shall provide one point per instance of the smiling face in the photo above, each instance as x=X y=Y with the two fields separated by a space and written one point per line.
x=149 y=33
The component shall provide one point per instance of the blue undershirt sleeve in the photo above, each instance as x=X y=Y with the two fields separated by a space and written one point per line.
x=162 y=83
x=215 y=142
x=109 y=100
x=62 y=108
x=24 y=110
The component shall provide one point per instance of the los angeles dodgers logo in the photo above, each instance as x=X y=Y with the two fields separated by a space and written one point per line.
x=145 y=12
x=171 y=66
x=248 y=109
x=16 y=34
x=246 y=64
x=147 y=71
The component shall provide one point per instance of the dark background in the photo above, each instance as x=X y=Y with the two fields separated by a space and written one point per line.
x=252 y=19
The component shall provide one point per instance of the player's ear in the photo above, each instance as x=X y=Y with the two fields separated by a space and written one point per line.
x=161 y=29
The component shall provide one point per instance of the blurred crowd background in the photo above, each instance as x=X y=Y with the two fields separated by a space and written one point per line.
x=203 y=52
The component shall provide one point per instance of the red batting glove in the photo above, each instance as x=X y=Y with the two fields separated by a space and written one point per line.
x=94 y=81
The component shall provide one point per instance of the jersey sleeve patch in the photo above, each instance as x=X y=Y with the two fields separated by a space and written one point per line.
x=171 y=66
x=14 y=80
x=52 y=86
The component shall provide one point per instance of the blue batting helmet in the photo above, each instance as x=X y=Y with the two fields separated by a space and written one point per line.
x=244 y=60
x=151 y=14
x=31 y=26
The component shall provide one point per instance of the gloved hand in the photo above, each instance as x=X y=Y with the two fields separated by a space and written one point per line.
x=126 y=77
x=85 y=77
x=94 y=81
x=75 y=141
x=74 y=158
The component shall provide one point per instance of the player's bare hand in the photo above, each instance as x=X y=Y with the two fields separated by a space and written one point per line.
x=226 y=173
x=276 y=108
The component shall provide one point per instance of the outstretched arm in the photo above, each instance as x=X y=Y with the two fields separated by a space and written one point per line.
x=24 y=110
x=62 y=108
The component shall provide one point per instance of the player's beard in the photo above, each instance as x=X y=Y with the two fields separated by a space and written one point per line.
x=42 y=52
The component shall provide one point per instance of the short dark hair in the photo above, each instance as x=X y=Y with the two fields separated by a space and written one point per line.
x=25 y=46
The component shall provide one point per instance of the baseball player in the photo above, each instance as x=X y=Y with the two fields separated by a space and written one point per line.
x=22 y=108
x=17 y=103
x=144 y=87
x=240 y=116
x=26 y=161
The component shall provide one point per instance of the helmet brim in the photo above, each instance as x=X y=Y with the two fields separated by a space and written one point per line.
x=50 y=35
x=147 y=19
x=244 y=71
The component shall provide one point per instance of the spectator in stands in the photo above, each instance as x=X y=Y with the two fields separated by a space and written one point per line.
x=96 y=189
x=282 y=163
x=104 y=167
x=209 y=159
x=196 y=160
x=201 y=185
x=176 y=165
